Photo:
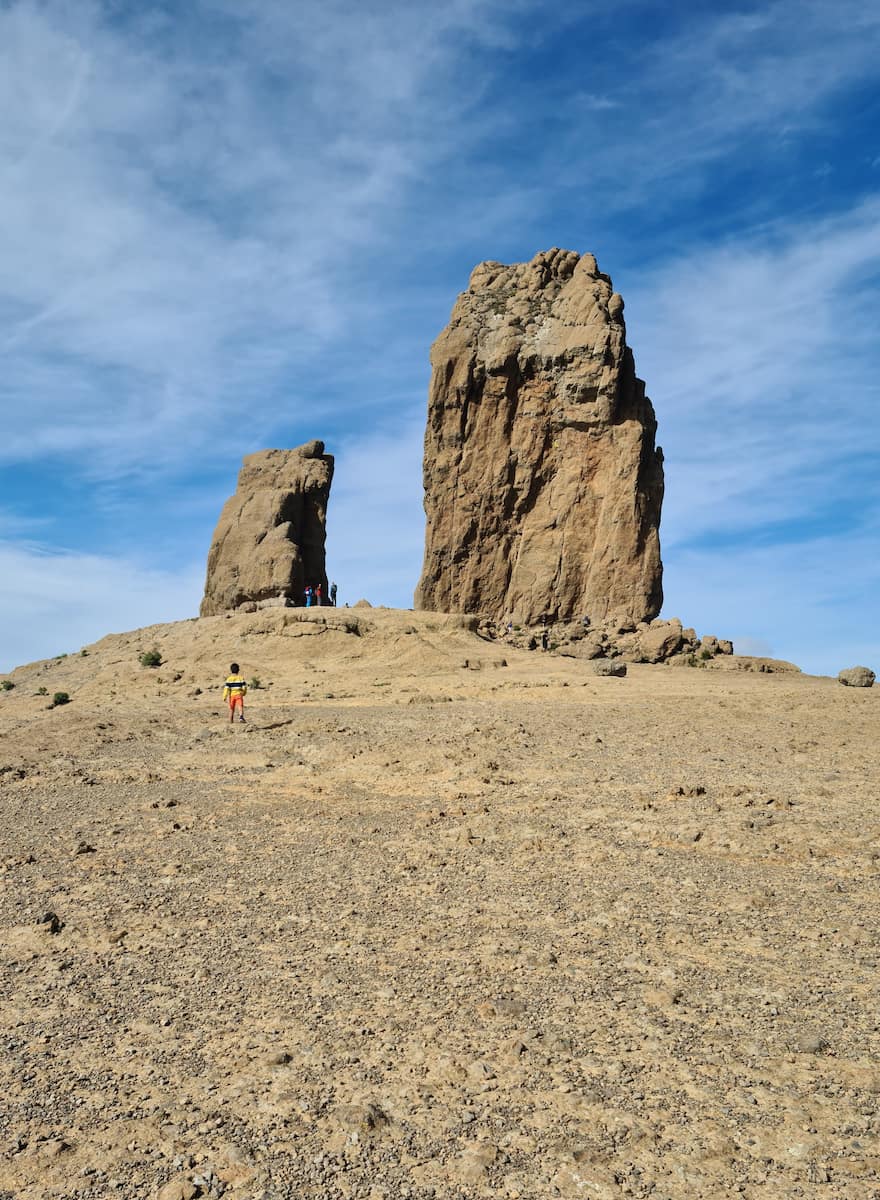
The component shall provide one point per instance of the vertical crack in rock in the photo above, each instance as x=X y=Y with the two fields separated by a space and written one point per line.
x=269 y=541
x=543 y=484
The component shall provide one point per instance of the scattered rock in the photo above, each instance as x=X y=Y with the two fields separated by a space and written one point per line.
x=476 y=1159
x=182 y=1188
x=661 y=640
x=590 y=647
x=55 y=1147
x=811 y=1043
x=361 y=1118
x=605 y=666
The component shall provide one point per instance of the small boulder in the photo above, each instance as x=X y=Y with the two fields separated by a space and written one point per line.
x=590 y=647
x=857 y=677
x=362 y=1119
x=607 y=666
x=181 y=1188
x=662 y=640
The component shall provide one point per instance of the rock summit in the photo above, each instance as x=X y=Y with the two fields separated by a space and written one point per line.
x=543 y=485
x=269 y=541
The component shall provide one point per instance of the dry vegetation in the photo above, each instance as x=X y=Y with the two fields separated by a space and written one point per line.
x=420 y=930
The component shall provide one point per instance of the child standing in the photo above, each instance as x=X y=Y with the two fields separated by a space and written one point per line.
x=235 y=690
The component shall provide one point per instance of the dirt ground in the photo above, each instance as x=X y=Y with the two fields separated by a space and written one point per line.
x=426 y=929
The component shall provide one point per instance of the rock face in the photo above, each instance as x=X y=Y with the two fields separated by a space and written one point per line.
x=543 y=485
x=269 y=541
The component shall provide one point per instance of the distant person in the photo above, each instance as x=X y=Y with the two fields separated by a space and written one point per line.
x=545 y=639
x=333 y=595
x=309 y=596
x=235 y=690
x=318 y=596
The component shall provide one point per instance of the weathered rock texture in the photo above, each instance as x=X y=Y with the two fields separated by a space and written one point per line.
x=543 y=485
x=269 y=541
x=857 y=677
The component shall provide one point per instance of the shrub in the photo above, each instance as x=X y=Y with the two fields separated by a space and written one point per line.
x=42 y=691
x=60 y=698
x=84 y=654
x=150 y=658
x=704 y=654
x=7 y=685
x=255 y=684
x=691 y=660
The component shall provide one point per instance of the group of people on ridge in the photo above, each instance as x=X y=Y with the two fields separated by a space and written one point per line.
x=315 y=598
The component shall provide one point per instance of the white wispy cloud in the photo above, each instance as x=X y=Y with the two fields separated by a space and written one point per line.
x=723 y=89
x=813 y=603
x=182 y=217
x=762 y=360
x=182 y=220
x=761 y=356
x=54 y=603
x=14 y=525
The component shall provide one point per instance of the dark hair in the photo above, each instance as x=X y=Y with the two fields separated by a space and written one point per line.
x=233 y=668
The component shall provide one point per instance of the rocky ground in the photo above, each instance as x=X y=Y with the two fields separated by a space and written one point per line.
x=422 y=929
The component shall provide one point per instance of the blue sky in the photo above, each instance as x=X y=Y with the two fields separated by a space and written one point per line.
x=235 y=224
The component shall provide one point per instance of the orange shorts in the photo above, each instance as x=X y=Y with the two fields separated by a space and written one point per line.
x=236 y=700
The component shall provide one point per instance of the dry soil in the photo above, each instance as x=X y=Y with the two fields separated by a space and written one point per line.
x=427 y=929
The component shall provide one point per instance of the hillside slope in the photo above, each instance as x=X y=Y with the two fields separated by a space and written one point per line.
x=427 y=929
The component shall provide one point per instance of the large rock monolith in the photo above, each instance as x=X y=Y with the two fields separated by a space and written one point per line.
x=269 y=541
x=543 y=484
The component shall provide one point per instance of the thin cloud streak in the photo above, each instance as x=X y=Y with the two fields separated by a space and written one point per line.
x=54 y=603
x=725 y=85
x=813 y=604
x=760 y=388
x=205 y=222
